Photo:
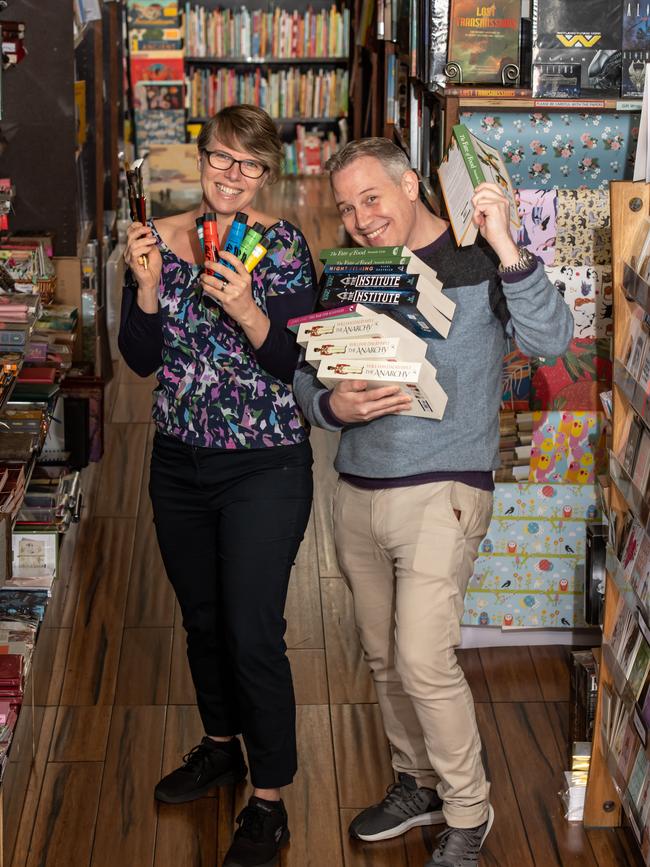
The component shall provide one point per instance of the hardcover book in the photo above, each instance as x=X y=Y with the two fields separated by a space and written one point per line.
x=484 y=39
x=417 y=379
x=468 y=163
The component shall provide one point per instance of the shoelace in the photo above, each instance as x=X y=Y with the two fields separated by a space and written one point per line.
x=397 y=793
x=195 y=758
x=251 y=823
x=456 y=843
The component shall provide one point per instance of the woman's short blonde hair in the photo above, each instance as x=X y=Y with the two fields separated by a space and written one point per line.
x=246 y=128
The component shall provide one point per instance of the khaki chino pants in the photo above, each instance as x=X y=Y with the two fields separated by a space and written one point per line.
x=407 y=555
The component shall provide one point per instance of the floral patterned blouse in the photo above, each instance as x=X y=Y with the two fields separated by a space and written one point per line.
x=214 y=390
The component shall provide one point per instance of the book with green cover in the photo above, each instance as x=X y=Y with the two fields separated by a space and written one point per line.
x=365 y=255
x=468 y=163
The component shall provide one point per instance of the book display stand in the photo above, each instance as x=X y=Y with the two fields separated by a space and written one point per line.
x=619 y=773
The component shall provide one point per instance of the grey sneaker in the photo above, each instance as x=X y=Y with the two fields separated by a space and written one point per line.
x=459 y=847
x=405 y=806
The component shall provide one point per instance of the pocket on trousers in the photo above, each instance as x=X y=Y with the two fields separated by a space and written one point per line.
x=439 y=540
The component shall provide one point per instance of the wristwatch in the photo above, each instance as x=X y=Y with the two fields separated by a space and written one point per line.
x=524 y=263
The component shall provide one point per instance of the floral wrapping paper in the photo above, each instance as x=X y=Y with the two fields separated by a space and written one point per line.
x=560 y=149
x=530 y=569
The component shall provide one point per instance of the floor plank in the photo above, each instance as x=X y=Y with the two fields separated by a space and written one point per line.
x=133 y=403
x=470 y=661
x=151 y=597
x=363 y=768
x=145 y=663
x=552 y=668
x=81 y=734
x=536 y=767
x=303 y=609
x=187 y=834
x=126 y=827
x=610 y=848
x=48 y=665
x=348 y=673
x=103 y=558
x=309 y=676
x=510 y=675
x=63 y=832
x=558 y=712
x=356 y=853
x=324 y=445
x=506 y=845
x=121 y=470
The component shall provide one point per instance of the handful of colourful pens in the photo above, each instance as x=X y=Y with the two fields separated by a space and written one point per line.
x=137 y=198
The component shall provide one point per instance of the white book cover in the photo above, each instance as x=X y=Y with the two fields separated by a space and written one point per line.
x=417 y=379
x=354 y=347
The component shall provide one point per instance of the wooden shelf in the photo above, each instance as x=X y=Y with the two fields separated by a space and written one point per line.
x=292 y=120
x=569 y=105
x=269 y=61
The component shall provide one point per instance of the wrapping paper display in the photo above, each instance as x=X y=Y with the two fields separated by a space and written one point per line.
x=538 y=213
x=583 y=228
x=530 y=569
x=560 y=149
x=574 y=380
x=588 y=292
x=566 y=447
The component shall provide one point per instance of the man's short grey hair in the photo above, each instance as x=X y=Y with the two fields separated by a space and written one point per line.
x=392 y=158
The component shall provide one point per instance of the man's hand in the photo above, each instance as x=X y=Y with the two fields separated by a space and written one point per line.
x=352 y=401
x=492 y=216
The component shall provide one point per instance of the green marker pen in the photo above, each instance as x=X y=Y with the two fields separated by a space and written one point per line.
x=250 y=239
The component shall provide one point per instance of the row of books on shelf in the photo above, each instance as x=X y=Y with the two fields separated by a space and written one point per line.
x=284 y=93
x=560 y=50
x=309 y=152
x=278 y=33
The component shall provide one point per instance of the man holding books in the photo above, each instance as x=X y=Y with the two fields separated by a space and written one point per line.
x=414 y=497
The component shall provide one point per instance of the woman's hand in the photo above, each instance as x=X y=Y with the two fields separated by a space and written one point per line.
x=492 y=216
x=140 y=241
x=352 y=401
x=232 y=290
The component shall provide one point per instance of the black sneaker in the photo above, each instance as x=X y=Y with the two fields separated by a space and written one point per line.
x=460 y=847
x=209 y=764
x=262 y=832
x=405 y=806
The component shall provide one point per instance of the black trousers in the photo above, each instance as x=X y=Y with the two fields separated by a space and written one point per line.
x=229 y=524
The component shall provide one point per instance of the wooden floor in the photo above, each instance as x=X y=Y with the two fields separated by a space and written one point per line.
x=116 y=709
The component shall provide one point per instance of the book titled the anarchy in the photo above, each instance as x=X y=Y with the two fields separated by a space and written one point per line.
x=369 y=347
x=468 y=163
x=365 y=325
x=417 y=379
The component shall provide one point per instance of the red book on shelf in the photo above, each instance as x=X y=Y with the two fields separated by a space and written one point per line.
x=11 y=669
x=37 y=374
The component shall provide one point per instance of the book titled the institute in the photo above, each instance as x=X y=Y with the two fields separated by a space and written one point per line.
x=468 y=163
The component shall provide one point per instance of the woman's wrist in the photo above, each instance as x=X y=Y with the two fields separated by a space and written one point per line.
x=148 y=299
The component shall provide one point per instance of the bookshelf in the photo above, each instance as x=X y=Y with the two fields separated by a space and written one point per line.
x=292 y=60
x=616 y=765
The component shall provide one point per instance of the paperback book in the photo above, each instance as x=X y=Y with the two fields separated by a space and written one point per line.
x=484 y=39
x=468 y=163
x=417 y=379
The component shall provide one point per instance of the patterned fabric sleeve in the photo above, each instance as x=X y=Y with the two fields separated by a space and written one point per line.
x=290 y=292
x=140 y=338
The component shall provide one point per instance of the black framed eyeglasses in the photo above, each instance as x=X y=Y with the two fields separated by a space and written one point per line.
x=223 y=161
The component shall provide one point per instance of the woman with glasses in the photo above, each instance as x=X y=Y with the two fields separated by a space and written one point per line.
x=231 y=482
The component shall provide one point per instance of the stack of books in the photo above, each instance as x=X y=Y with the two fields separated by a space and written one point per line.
x=376 y=306
x=515 y=445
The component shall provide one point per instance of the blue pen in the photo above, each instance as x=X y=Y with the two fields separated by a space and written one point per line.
x=235 y=236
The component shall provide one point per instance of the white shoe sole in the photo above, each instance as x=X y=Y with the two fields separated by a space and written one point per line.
x=490 y=821
x=434 y=818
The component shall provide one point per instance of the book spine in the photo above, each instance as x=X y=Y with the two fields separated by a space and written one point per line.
x=468 y=153
x=345 y=310
x=489 y=92
x=360 y=254
x=369 y=281
x=387 y=268
x=335 y=297
x=12 y=338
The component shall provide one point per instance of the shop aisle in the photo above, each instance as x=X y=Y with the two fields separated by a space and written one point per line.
x=120 y=708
